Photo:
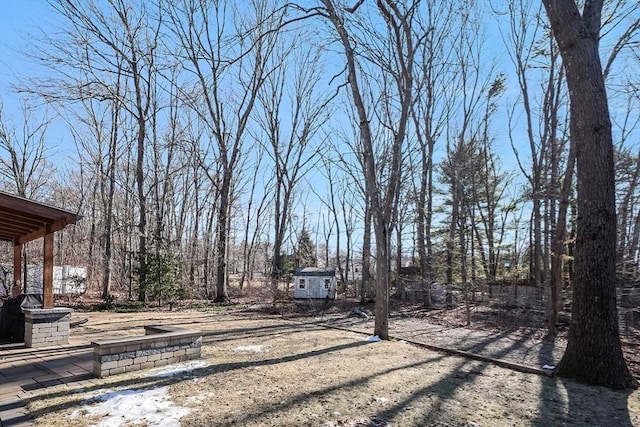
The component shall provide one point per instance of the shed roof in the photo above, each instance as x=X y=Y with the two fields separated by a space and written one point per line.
x=315 y=271
x=23 y=220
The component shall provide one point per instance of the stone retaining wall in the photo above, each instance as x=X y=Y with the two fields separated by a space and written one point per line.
x=160 y=346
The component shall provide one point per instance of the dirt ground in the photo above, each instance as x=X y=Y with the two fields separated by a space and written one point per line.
x=261 y=369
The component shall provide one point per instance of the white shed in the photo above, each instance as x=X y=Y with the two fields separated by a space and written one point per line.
x=315 y=283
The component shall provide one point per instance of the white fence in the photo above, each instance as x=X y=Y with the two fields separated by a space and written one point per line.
x=67 y=280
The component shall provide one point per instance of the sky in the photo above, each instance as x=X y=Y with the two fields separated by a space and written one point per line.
x=18 y=20
x=22 y=20
x=20 y=23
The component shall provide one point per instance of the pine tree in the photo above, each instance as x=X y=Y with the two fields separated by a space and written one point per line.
x=594 y=351
x=306 y=251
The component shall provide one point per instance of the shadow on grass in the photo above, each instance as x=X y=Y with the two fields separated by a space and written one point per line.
x=443 y=390
x=579 y=407
x=301 y=398
x=259 y=332
x=151 y=382
x=39 y=369
x=566 y=402
x=549 y=398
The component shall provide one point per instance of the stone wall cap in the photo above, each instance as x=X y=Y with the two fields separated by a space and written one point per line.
x=145 y=339
x=54 y=310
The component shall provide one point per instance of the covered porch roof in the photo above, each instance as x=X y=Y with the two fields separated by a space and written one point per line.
x=23 y=220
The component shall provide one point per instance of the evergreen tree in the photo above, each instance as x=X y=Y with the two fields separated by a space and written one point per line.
x=306 y=251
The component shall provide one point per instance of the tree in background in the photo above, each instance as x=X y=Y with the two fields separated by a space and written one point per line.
x=306 y=251
x=394 y=59
x=430 y=113
x=23 y=155
x=24 y=169
x=107 y=52
x=162 y=272
x=292 y=109
x=224 y=49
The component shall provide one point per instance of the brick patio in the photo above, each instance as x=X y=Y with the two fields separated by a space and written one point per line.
x=24 y=371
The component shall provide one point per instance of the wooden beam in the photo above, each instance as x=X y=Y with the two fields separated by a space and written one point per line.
x=48 y=228
x=26 y=238
x=47 y=271
x=21 y=205
x=16 y=289
x=19 y=224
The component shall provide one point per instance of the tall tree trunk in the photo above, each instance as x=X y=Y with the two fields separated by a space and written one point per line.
x=423 y=235
x=381 y=198
x=206 y=270
x=222 y=241
x=451 y=241
x=113 y=151
x=195 y=233
x=278 y=238
x=594 y=352
x=142 y=213
x=366 y=291
x=554 y=302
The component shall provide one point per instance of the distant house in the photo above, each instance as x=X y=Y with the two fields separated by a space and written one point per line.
x=314 y=283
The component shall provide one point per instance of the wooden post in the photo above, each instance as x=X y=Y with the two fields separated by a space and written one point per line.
x=16 y=289
x=47 y=271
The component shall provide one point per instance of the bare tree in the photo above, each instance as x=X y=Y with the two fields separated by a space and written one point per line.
x=522 y=50
x=430 y=112
x=329 y=200
x=292 y=110
x=101 y=40
x=349 y=206
x=254 y=221
x=398 y=20
x=488 y=189
x=224 y=54
x=23 y=163
x=536 y=57
x=98 y=143
x=468 y=155
x=24 y=169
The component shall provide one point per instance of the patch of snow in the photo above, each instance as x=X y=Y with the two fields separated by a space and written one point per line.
x=150 y=407
x=373 y=338
x=251 y=348
x=177 y=368
x=357 y=422
x=381 y=399
x=549 y=367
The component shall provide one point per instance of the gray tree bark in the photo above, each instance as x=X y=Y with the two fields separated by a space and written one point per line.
x=594 y=352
